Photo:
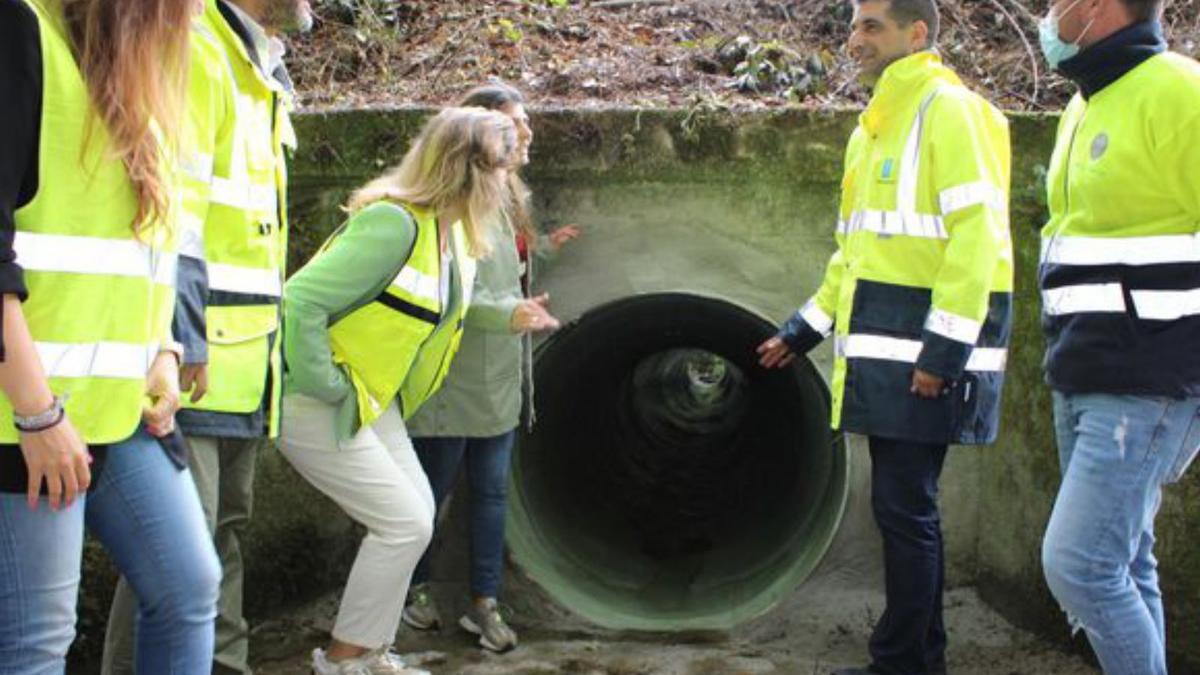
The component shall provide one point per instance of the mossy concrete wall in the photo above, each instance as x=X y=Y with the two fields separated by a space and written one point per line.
x=734 y=205
x=764 y=186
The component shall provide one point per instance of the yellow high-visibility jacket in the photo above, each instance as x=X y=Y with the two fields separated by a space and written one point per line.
x=922 y=277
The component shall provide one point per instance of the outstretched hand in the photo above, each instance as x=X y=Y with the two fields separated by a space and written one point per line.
x=774 y=353
x=532 y=316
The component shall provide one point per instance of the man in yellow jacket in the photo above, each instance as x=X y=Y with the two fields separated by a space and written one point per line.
x=1120 y=283
x=233 y=241
x=918 y=297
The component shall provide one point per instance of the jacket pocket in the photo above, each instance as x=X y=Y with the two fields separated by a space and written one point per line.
x=889 y=309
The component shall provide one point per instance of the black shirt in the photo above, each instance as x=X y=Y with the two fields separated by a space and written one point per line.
x=20 y=123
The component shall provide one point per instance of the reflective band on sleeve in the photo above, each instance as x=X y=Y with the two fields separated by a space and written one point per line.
x=249 y=280
x=964 y=196
x=1164 y=249
x=418 y=284
x=1166 y=305
x=115 y=360
x=953 y=326
x=816 y=318
x=906 y=351
x=243 y=195
x=93 y=255
x=1083 y=298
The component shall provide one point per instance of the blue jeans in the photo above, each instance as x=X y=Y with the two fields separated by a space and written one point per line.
x=910 y=637
x=1116 y=453
x=39 y=583
x=146 y=513
x=487 y=476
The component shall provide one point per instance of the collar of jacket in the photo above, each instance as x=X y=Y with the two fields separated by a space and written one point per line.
x=252 y=43
x=1108 y=60
x=900 y=83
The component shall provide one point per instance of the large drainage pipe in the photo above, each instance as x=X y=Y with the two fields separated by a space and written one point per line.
x=670 y=482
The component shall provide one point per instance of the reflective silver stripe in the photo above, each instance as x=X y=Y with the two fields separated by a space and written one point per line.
x=891 y=223
x=816 y=318
x=249 y=280
x=1083 y=298
x=93 y=255
x=1164 y=249
x=198 y=166
x=953 y=326
x=964 y=196
x=191 y=235
x=1166 y=305
x=418 y=284
x=116 y=360
x=904 y=221
x=243 y=195
x=907 y=351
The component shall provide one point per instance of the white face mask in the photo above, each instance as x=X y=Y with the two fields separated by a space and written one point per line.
x=1053 y=48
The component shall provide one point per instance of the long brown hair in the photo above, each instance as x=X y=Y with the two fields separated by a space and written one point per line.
x=461 y=156
x=497 y=95
x=133 y=55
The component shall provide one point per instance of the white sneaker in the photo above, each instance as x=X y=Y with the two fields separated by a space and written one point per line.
x=382 y=661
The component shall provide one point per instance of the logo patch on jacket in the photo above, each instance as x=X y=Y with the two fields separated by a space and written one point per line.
x=887 y=170
x=1099 y=146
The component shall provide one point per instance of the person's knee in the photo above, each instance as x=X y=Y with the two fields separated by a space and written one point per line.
x=912 y=518
x=190 y=593
x=1067 y=572
x=405 y=529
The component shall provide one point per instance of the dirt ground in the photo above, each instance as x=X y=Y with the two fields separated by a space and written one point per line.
x=653 y=53
x=833 y=634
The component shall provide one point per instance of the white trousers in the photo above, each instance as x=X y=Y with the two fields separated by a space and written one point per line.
x=377 y=480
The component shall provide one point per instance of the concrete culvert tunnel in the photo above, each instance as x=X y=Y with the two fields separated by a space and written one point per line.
x=671 y=483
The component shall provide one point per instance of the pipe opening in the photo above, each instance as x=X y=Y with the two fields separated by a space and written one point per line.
x=671 y=483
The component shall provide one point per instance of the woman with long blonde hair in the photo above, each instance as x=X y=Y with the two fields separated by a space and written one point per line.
x=88 y=368
x=372 y=323
x=471 y=422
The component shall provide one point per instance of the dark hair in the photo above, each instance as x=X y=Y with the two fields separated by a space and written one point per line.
x=1143 y=10
x=494 y=96
x=904 y=12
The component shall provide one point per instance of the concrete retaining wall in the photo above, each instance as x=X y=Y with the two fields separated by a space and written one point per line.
x=742 y=201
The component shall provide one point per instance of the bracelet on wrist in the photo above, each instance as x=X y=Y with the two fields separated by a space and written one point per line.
x=48 y=418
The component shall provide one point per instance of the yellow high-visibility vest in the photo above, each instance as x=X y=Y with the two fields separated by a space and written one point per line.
x=400 y=344
x=236 y=219
x=100 y=299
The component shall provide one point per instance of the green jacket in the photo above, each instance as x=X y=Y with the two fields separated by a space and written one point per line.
x=365 y=258
x=481 y=396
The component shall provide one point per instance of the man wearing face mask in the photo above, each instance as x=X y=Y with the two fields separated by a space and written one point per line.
x=1120 y=282
x=918 y=296
x=233 y=248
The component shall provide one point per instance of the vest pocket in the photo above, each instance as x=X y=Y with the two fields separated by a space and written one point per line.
x=239 y=340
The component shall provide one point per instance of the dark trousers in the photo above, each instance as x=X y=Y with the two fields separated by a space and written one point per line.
x=910 y=638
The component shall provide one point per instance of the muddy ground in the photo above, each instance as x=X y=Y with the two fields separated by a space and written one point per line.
x=833 y=634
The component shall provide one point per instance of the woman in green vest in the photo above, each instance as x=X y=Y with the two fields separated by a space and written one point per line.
x=88 y=367
x=472 y=419
x=371 y=325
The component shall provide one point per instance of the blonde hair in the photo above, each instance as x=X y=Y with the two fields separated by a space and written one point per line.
x=133 y=55
x=458 y=158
